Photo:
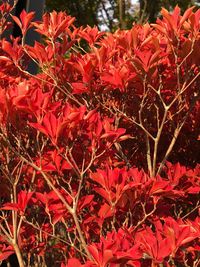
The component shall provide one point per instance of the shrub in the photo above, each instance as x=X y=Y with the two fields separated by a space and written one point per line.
x=100 y=150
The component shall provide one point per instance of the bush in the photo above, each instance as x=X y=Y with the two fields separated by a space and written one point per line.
x=100 y=150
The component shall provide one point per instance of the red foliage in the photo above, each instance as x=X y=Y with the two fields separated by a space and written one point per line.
x=100 y=150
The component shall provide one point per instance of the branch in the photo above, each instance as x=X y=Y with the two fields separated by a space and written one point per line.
x=47 y=178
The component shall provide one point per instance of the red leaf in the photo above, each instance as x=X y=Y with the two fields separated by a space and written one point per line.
x=85 y=201
x=186 y=15
x=79 y=88
x=17 y=21
x=105 y=211
x=73 y=263
x=5 y=252
x=160 y=187
x=94 y=252
x=23 y=198
x=193 y=190
x=24 y=22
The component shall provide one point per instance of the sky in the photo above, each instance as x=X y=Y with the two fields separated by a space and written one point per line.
x=104 y=27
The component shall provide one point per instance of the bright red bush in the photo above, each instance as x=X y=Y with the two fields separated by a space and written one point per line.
x=100 y=150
